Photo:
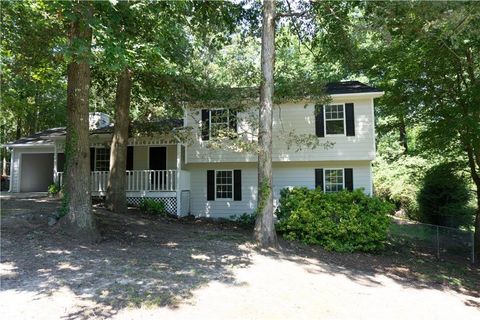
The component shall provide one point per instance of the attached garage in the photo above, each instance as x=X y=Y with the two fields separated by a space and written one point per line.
x=36 y=172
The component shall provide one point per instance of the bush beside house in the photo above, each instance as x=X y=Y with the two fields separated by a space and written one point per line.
x=342 y=221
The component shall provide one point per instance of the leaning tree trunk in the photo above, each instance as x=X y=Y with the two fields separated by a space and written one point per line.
x=116 y=199
x=78 y=206
x=264 y=226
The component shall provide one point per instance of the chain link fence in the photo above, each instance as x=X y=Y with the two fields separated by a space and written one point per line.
x=443 y=242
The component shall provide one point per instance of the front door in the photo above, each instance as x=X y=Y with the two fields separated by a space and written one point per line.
x=158 y=161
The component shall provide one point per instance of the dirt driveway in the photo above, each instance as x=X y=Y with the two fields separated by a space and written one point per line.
x=151 y=268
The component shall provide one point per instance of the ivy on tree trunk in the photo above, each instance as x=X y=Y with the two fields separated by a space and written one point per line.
x=79 y=219
x=265 y=233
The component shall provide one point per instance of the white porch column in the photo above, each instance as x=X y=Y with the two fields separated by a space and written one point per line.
x=55 y=160
x=177 y=184
x=10 y=186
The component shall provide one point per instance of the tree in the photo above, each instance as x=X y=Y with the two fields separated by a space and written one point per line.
x=264 y=226
x=79 y=217
x=439 y=54
x=145 y=56
x=33 y=73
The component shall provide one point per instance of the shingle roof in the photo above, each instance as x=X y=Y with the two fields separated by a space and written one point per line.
x=36 y=138
x=343 y=87
x=44 y=137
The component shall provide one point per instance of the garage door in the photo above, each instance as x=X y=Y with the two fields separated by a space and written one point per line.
x=36 y=172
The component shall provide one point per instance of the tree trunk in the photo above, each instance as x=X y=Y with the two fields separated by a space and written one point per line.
x=18 y=132
x=116 y=199
x=403 y=135
x=79 y=218
x=265 y=233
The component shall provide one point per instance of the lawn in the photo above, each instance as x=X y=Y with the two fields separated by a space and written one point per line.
x=155 y=268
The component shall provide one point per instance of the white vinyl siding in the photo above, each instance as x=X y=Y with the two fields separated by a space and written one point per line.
x=299 y=119
x=285 y=175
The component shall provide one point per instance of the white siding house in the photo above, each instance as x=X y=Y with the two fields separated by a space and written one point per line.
x=194 y=178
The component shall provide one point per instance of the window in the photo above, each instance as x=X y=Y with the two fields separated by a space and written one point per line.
x=224 y=184
x=333 y=180
x=102 y=159
x=219 y=122
x=334 y=119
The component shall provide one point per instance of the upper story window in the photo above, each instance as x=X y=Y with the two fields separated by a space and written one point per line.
x=224 y=184
x=334 y=180
x=219 y=122
x=335 y=119
x=102 y=159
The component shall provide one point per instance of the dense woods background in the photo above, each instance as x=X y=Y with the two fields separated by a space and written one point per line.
x=424 y=55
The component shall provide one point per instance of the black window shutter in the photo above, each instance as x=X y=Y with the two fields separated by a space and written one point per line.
x=348 y=179
x=210 y=185
x=319 y=123
x=350 y=119
x=129 y=158
x=233 y=120
x=92 y=159
x=205 y=125
x=319 y=178
x=237 y=185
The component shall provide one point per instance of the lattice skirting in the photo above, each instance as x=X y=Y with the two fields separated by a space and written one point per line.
x=170 y=202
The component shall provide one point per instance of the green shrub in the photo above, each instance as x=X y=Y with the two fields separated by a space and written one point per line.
x=444 y=197
x=342 y=221
x=53 y=189
x=150 y=206
x=246 y=220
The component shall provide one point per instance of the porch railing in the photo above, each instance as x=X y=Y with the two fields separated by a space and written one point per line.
x=137 y=180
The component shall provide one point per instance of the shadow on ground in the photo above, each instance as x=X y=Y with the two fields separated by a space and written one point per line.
x=150 y=262
x=140 y=262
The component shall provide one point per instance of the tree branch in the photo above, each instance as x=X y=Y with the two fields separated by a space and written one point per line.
x=290 y=14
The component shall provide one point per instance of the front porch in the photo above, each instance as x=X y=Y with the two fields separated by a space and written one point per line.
x=172 y=187
x=155 y=169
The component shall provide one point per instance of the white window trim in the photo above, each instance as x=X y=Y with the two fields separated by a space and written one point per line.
x=325 y=120
x=233 y=186
x=95 y=157
x=325 y=181
x=210 y=121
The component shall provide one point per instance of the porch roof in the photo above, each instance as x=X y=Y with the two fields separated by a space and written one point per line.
x=46 y=137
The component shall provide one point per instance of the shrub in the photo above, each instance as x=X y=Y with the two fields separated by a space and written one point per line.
x=150 y=206
x=53 y=189
x=343 y=221
x=246 y=220
x=444 y=197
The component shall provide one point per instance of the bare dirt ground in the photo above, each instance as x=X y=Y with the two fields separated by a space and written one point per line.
x=154 y=268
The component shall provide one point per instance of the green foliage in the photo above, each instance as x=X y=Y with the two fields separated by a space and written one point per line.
x=150 y=206
x=397 y=176
x=343 y=221
x=444 y=196
x=246 y=220
x=53 y=189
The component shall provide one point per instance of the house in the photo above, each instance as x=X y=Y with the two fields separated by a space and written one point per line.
x=192 y=177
